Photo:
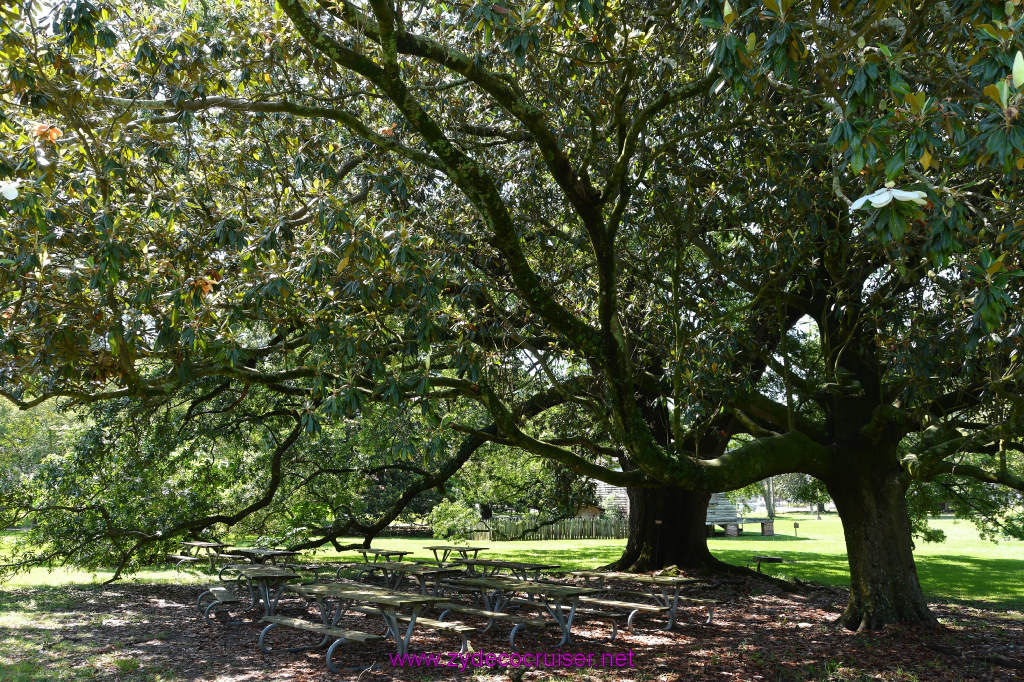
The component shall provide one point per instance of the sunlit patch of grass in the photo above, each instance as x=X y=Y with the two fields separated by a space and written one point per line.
x=126 y=665
x=22 y=671
x=965 y=567
x=165 y=574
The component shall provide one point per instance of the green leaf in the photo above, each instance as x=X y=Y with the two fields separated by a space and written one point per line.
x=993 y=92
x=728 y=15
x=996 y=265
x=1004 y=93
x=916 y=101
x=897 y=225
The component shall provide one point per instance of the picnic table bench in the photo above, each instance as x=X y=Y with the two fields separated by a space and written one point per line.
x=182 y=560
x=462 y=631
x=659 y=585
x=499 y=593
x=328 y=631
x=385 y=603
x=609 y=617
x=219 y=596
x=734 y=524
x=492 y=616
x=633 y=608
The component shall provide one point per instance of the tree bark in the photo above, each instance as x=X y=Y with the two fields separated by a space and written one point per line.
x=768 y=492
x=679 y=540
x=884 y=586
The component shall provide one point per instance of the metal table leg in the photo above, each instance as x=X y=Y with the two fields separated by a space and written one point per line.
x=563 y=622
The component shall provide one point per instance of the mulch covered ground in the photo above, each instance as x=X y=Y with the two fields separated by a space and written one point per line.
x=760 y=633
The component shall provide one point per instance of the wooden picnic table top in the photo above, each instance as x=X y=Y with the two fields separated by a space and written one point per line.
x=410 y=567
x=207 y=545
x=264 y=572
x=382 y=552
x=501 y=563
x=259 y=551
x=374 y=596
x=648 y=579
x=552 y=590
x=456 y=548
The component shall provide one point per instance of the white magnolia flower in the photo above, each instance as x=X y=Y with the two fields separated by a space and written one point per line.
x=9 y=189
x=884 y=196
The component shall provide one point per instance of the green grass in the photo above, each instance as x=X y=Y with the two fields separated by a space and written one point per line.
x=965 y=567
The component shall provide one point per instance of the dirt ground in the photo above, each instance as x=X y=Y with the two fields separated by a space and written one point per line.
x=154 y=632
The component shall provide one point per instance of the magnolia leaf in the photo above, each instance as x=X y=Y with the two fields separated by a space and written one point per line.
x=993 y=92
x=996 y=266
x=1018 y=70
x=344 y=259
x=926 y=159
x=916 y=101
x=773 y=6
x=728 y=15
x=1004 y=93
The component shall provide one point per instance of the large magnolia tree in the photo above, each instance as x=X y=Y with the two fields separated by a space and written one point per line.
x=640 y=212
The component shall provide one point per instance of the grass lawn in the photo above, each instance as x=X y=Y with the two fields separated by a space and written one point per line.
x=963 y=567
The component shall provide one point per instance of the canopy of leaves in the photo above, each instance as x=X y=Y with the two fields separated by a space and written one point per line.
x=482 y=211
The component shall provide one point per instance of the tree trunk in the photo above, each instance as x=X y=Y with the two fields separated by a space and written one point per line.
x=679 y=540
x=768 y=492
x=884 y=587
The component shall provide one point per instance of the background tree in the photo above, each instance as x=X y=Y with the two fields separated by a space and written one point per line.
x=623 y=208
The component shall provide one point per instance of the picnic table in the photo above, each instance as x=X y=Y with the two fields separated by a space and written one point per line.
x=498 y=594
x=385 y=602
x=211 y=549
x=261 y=556
x=395 y=571
x=378 y=553
x=660 y=587
x=519 y=569
x=447 y=550
x=260 y=579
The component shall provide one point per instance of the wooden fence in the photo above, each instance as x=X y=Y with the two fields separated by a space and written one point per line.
x=567 y=529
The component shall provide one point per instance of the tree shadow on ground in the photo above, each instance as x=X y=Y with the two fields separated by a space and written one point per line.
x=138 y=632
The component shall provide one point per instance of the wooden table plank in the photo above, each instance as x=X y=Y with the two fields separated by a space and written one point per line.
x=646 y=579
x=530 y=587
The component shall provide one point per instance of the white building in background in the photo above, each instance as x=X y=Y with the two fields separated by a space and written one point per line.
x=612 y=498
